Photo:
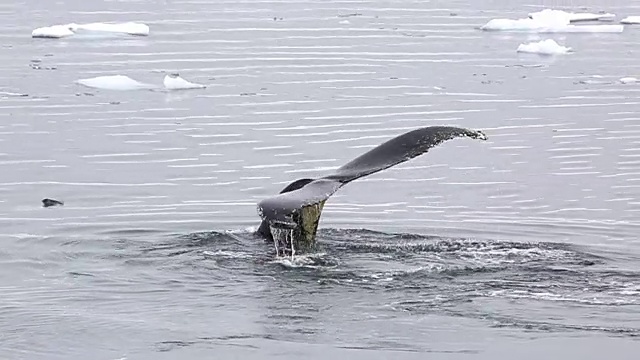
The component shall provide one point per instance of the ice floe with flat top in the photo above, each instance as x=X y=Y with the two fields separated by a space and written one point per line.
x=631 y=20
x=544 y=47
x=552 y=21
x=175 y=82
x=62 y=31
x=123 y=83
x=570 y=16
x=114 y=82
x=530 y=25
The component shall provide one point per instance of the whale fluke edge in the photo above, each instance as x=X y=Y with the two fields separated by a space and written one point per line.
x=290 y=219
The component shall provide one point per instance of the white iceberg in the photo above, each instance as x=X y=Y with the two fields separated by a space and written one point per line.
x=175 y=82
x=544 y=47
x=631 y=20
x=629 y=80
x=552 y=21
x=569 y=16
x=61 y=31
x=114 y=82
x=52 y=32
x=531 y=25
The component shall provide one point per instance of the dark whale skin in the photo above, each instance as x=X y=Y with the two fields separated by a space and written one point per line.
x=299 y=205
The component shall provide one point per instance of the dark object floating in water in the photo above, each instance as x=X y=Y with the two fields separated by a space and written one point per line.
x=291 y=218
x=51 y=202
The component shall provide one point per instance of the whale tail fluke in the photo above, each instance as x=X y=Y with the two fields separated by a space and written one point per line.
x=291 y=218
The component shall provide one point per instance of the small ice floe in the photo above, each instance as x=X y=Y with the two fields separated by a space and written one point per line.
x=114 y=82
x=570 y=17
x=175 y=82
x=345 y=22
x=629 y=80
x=52 y=32
x=62 y=31
x=8 y=94
x=530 y=25
x=553 y=21
x=544 y=47
x=631 y=20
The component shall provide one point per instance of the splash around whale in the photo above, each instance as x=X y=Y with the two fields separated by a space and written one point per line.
x=290 y=219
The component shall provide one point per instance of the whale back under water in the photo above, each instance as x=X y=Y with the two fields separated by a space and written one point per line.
x=291 y=218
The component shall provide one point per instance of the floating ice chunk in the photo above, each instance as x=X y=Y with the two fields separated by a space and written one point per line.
x=629 y=80
x=130 y=28
x=8 y=94
x=53 y=32
x=631 y=20
x=175 y=82
x=114 y=82
x=345 y=22
x=514 y=25
x=544 y=47
x=61 y=31
x=553 y=15
x=575 y=17
x=549 y=25
x=552 y=21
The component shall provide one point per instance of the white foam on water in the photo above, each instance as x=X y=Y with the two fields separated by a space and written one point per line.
x=299 y=261
x=631 y=20
x=66 y=30
x=175 y=82
x=544 y=47
x=553 y=21
x=114 y=82
x=227 y=254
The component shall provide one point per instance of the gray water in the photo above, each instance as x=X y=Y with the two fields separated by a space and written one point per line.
x=523 y=246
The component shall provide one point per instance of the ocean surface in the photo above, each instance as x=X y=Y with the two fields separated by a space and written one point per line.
x=524 y=246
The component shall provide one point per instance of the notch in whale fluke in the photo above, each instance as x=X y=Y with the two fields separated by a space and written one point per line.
x=291 y=218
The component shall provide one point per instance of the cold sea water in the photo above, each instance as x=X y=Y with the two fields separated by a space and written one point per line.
x=524 y=246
